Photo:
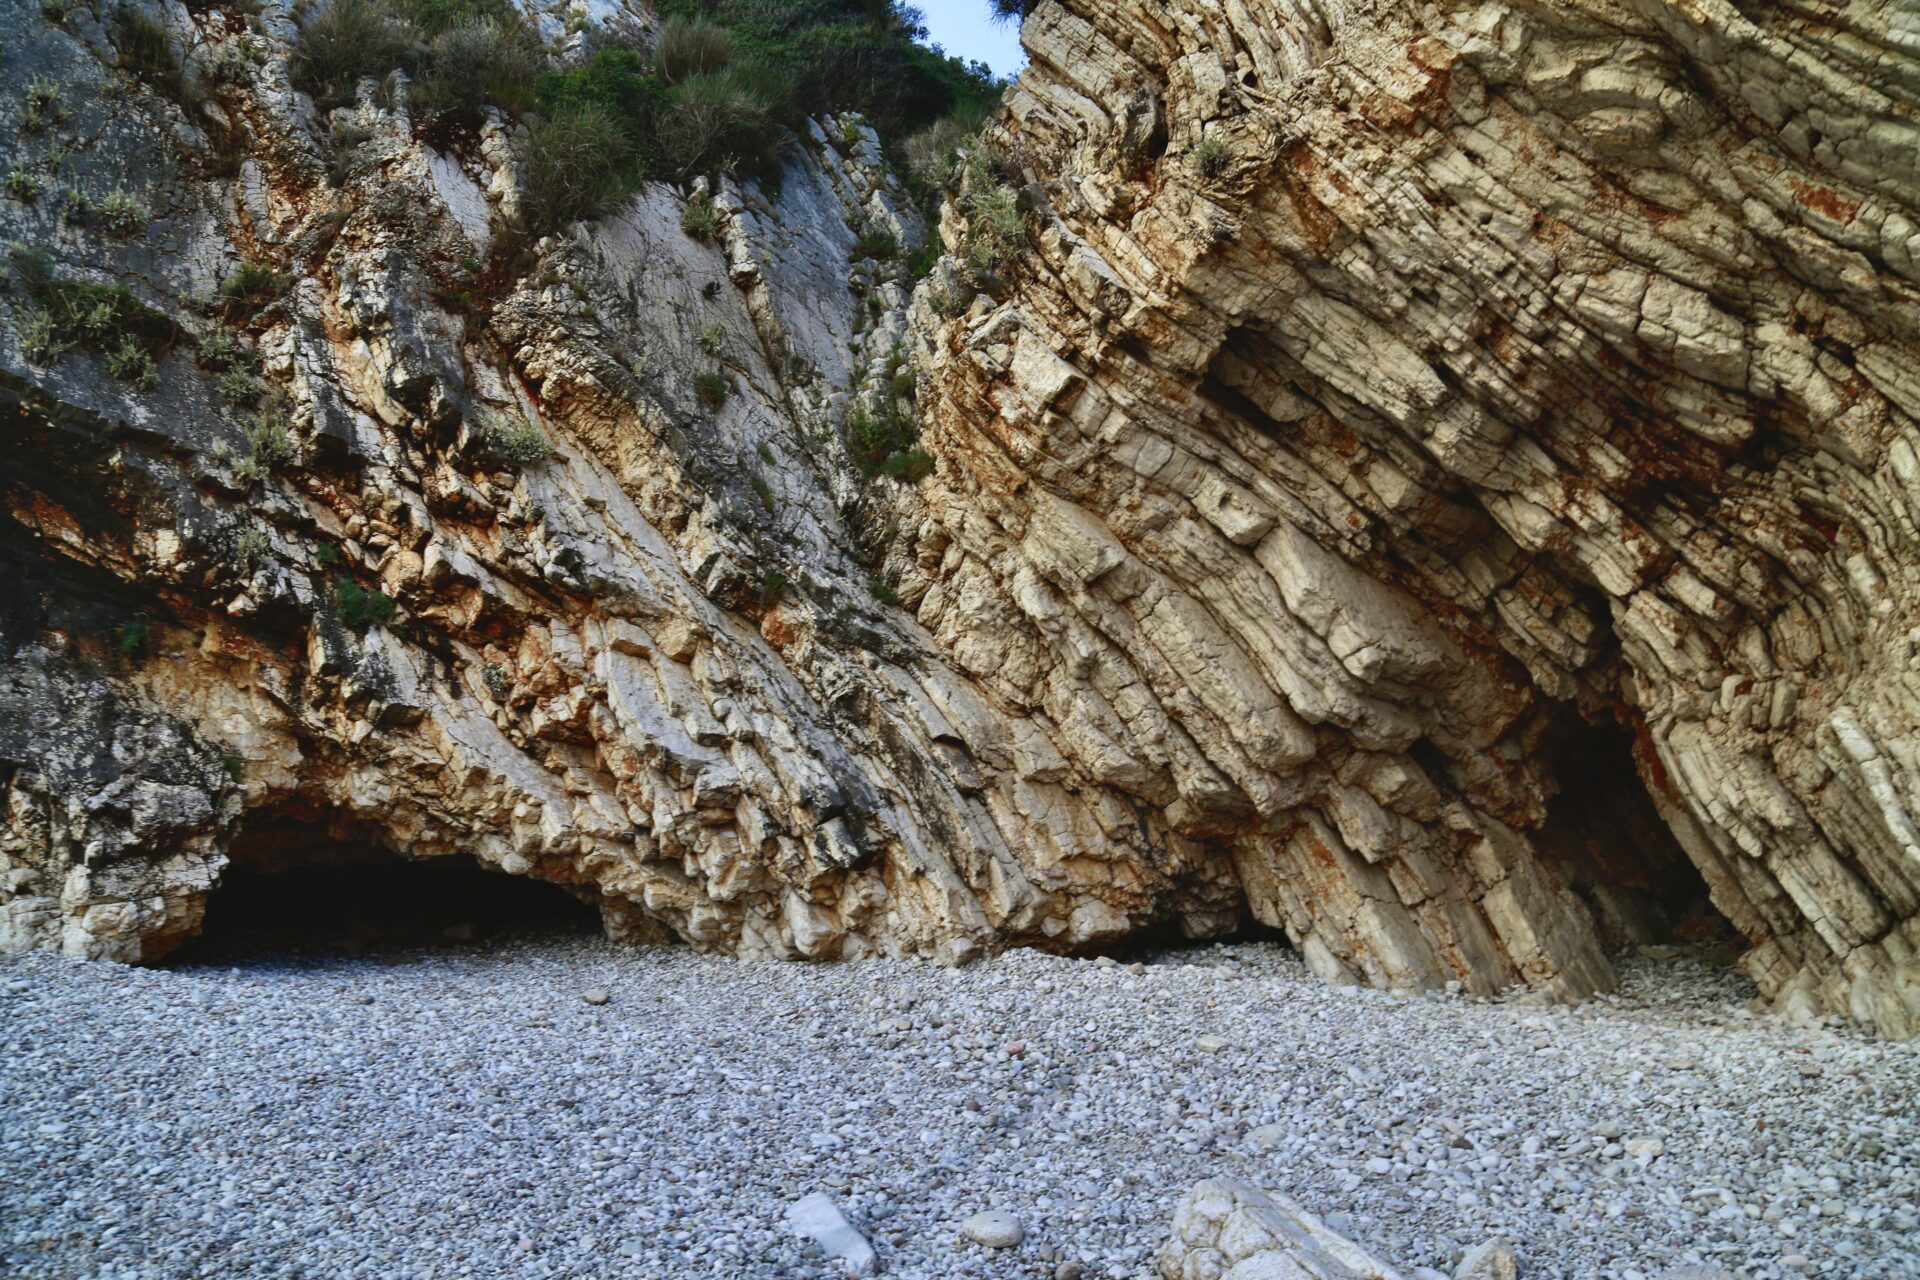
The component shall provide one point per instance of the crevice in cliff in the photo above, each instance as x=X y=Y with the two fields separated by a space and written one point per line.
x=295 y=886
x=1606 y=841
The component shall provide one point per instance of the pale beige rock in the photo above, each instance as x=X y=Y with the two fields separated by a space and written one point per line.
x=1226 y=1229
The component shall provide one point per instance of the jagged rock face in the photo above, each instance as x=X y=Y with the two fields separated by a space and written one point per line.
x=1521 y=370
x=651 y=669
x=1487 y=364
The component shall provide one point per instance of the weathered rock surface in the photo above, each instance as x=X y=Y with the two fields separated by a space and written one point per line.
x=1226 y=1229
x=1384 y=389
x=1497 y=370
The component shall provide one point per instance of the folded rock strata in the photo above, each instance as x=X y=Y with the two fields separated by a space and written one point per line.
x=1302 y=496
x=1381 y=383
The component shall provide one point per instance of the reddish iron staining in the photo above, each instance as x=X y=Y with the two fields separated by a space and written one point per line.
x=1823 y=200
x=1647 y=757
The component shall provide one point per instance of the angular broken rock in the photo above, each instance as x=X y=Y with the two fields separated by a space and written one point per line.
x=1227 y=1229
x=1488 y=1260
x=818 y=1218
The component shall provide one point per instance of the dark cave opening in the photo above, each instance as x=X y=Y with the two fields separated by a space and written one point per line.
x=1607 y=842
x=298 y=887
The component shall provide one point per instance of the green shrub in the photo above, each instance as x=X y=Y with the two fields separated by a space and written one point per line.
x=882 y=592
x=713 y=339
x=726 y=120
x=147 y=55
x=268 y=448
x=23 y=185
x=765 y=451
x=700 y=220
x=237 y=387
x=933 y=154
x=359 y=608
x=516 y=441
x=130 y=362
x=76 y=205
x=764 y=491
x=689 y=47
x=772 y=584
x=909 y=465
x=41 y=107
x=877 y=437
x=711 y=389
x=249 y=548
x=121 y=213
x=63 y=314
x=253 y=283
x=134 y=637
x=573 y=166
x=996 y=229
x=1209 y=157
x=219 y=350
x=478 y=63
x=874 y=243
x=347 y=40
x=40 y=340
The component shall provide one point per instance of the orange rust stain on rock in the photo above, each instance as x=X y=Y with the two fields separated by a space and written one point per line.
x=1317 y=223
x=777 y=631
x=1823 y=200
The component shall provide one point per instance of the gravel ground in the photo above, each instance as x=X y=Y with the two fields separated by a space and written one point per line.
x=463 y=1112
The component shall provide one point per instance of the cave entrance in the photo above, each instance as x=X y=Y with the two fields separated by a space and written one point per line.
x=1609 y=845
x=297 y=886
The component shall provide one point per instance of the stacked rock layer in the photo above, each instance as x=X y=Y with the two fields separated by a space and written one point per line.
x=1430 y=477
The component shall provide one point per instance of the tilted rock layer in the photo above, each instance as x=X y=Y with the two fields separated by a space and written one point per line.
x=1384 y=395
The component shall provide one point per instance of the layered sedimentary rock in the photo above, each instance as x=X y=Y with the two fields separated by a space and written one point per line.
x=1383 y=397
x=1382 y=382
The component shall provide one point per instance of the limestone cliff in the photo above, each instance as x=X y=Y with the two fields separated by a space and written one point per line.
x=1366 y=403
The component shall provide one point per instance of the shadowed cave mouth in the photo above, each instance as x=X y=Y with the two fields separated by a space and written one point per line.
x=294 y=887
x=1607 y=842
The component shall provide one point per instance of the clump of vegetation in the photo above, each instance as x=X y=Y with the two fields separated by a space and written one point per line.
x=147 y=55
x=882 y=592
x=253 y=284
x=24 y=185
x=76 y=205
x=689 y=47
x=121 y=213
x=772 y=585
x=357 y=607
x=250 y=548
x=996 y=229
x=573 y=166
x=134 y=638
x=60 y=315
x=713 y=339
x=268 y=448
x=237 y=387
x=882 y=439
x=348 y=40
x=516 y=441
x=711 y=389
x=477 y=63
x=764 y=492
x=130 y=362
x=221 y=351
x=41 y=107
x=874 y=243
x=1209 y=156
x=934 y=155
x=236 y=767
x=700 y=220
